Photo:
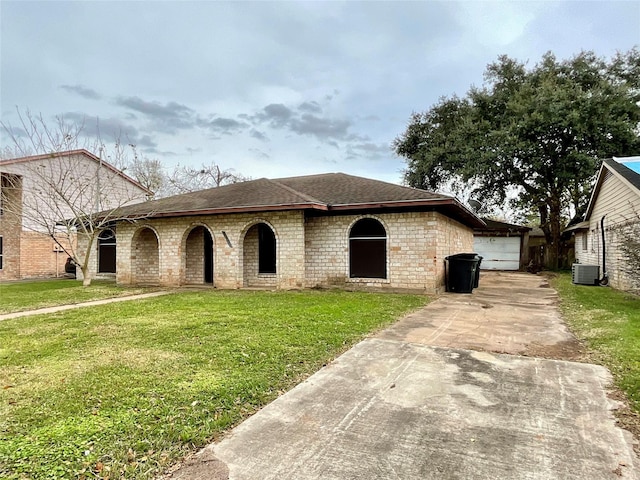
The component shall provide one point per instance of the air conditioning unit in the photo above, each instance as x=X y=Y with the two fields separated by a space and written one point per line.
x=582 y=274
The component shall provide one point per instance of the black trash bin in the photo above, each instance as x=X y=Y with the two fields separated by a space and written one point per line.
x=462 y=274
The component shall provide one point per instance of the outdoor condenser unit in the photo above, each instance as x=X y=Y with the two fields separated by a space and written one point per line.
x=582 y=274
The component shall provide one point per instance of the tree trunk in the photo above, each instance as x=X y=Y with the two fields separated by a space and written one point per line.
x=555 y=233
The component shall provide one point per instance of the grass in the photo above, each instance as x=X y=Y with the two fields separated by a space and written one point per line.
x=123 y=390
x=608 y=321
x=21 y=296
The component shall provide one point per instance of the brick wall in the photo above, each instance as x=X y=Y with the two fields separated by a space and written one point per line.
x=250 y=261
x=194 y=256
x=40 y=256
x=453 y=237
x=145 y=257
x=417 y=243
x=10 y=225
x=230 y=253
x=310 y=252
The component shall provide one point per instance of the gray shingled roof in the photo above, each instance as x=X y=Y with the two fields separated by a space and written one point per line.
x=625 y=171
x=495 y=225
x=324 y=192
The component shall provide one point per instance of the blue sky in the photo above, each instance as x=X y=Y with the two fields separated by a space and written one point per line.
x=274 y=89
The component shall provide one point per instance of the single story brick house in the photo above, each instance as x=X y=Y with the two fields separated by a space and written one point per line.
x=301 y=232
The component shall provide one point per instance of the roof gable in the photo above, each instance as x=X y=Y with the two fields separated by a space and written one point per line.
x=611 y=167
x=80 y=152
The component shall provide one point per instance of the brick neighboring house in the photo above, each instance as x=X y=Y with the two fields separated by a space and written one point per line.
x=614 y=203
x=301 y=232
x=26 y=249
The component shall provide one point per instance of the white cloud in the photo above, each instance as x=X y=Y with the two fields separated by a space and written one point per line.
x=277 y=89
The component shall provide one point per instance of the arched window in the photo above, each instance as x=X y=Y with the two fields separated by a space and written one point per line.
x=368 y=249
x=107 y=252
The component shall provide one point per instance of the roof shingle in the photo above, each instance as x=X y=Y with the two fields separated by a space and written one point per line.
x=324 y=192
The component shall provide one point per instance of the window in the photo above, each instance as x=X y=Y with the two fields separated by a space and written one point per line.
x=266 y=249
x=585 y=242
x=368 y=249
x=107 y=252
x=1 y=253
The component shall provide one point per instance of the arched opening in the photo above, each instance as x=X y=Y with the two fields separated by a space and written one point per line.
x=368 y=249
x=107 y=251
x=199 y=256
x=145 y=258
x=260 y=256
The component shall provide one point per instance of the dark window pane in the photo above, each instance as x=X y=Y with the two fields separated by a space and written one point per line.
x=266 y=250
x=368 y=258
x=107 y=252
x=368 y=249
x=368 y=227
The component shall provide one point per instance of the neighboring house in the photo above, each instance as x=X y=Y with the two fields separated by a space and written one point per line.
x=502 y=246
x=302 y=232
x=614 y=204
x=27 y=249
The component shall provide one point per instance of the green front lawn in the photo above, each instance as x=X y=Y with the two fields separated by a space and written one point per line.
x=125 y=389
x=21 y=296
x=608 y=321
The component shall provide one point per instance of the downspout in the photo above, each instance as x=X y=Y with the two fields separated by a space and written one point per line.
x=605 y=277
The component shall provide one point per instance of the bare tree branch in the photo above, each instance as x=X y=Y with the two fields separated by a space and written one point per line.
x=65 y=194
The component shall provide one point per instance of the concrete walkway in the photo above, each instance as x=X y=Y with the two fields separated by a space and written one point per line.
x=430 y=398
x=62 y=308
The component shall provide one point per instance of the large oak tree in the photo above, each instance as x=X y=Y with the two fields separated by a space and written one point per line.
x=540 y=131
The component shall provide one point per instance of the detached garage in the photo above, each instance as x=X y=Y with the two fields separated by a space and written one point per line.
x=501 y=245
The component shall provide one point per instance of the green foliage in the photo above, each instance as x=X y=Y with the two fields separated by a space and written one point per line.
x=542 y=131
x=609 y=322
x=125 y=389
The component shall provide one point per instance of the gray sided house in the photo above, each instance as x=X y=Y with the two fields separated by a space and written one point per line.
x=328 y=230
x=614 y=205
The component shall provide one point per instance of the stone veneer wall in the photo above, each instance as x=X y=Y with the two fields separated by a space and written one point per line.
x=417 y=243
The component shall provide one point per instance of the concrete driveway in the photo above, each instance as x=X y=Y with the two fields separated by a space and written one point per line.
x=430 y=398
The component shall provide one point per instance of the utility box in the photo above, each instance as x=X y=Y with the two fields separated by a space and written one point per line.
x=582 y=274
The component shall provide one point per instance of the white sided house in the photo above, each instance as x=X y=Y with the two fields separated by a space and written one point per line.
x=614 y=208
x=36 y=192
x=328 y=230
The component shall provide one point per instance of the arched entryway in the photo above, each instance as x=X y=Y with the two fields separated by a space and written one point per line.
x=198 y=261
x=145 y=258
x=260 y=256
x=368 y=249
x=107 y=251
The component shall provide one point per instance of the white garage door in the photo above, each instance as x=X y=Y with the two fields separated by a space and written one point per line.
x=498 y=253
